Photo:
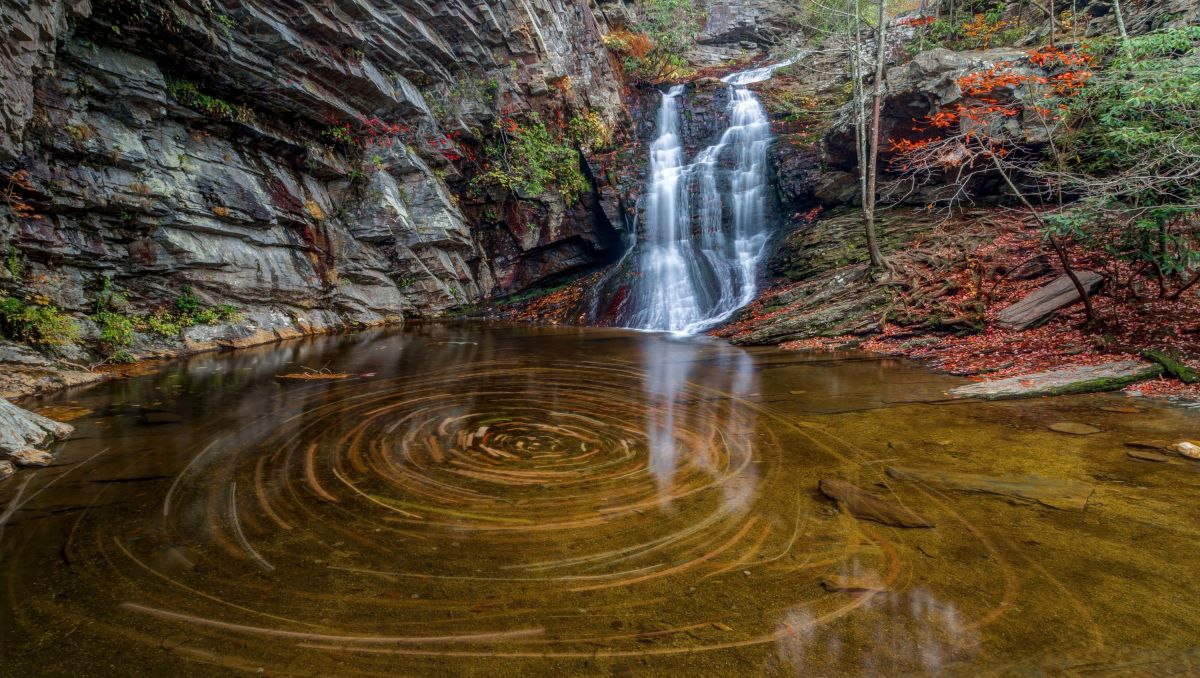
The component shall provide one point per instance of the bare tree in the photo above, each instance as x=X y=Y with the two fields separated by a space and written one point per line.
x=872 y=168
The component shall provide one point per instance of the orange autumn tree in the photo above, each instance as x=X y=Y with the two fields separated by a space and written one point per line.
x=1006 y=118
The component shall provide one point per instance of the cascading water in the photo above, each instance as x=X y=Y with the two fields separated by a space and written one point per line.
x=693 y=278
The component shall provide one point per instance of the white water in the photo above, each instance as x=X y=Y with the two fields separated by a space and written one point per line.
x=698 y=262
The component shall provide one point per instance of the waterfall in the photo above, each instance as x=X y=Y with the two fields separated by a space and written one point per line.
x=698 y=263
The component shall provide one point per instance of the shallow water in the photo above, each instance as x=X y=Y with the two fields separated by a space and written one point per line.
x=529 y=501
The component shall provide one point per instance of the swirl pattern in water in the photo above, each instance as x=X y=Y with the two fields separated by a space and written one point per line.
x=487 y=502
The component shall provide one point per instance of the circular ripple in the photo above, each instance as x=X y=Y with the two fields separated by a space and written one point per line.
x=502 y=510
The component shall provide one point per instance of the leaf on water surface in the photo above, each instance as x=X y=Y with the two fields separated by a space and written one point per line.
x=722 y=627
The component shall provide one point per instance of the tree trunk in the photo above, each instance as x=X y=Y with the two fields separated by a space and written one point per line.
x=1121 y=25
x=877 y=261
x=1054 y=242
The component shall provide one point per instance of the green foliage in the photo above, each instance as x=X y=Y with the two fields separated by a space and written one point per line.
x=670 y=24
x=116 y=329
x=116 y=326
x=985 y=29
x=13 y=263
x=189 y=94
x=588 y=131
x=163 y=323
x=36 y=321
x=187 y=303
x=529 y=160
x=1130 y=153
x=227 y=23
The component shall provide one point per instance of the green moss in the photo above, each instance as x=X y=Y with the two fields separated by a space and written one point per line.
x=1173 y=366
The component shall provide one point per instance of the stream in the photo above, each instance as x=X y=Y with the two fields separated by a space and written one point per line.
x=499 y=500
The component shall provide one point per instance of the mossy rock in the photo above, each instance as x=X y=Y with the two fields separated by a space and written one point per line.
x=1063 y=381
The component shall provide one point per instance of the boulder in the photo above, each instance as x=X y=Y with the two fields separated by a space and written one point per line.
x=1062 y=381
x=22 y=432
x=1041 y=305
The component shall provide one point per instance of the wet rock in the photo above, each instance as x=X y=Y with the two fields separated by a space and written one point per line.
x=1147 y=455
x=7 y=470
x=1062 y=494
x=1148 y=444
x=30 y=457
x=1040 y=305
x=865 y=505
x=1062 y=381
x=1120 y=409
x=1073 y=428
x=1186 y=449
x=21 y=431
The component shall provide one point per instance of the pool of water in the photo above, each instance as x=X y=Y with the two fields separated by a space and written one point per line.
x=520 y=501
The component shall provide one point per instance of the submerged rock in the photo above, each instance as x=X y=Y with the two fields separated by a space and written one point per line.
x=1148 y=444
x=840 y=584
x=1147 y=455
x=1062 y=381
x=7 y=469
x=865 y=505
x=1062 y=494
x=1074 y=428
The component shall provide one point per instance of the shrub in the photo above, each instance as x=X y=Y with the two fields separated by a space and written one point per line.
x=116 y=329
x=529 y=160
x=36 y=321
x=589 y=131
x=187 y=303
x=188 y=94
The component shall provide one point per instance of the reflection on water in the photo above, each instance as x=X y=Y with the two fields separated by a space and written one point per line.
x=541 y=501
x=673 y=367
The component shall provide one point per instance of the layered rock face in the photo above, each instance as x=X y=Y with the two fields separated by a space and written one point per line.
x=199 y=144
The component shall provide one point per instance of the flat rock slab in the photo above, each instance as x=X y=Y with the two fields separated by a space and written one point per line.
x=1065 y=495
x=1147 y=455
x=863 y=504
x=1044 y=302
x=1074 y=428
x=1062 y=381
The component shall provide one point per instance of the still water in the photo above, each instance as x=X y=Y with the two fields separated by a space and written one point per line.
x=549 y=501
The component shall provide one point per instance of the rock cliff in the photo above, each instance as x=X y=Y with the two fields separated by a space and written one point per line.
x=206 y=145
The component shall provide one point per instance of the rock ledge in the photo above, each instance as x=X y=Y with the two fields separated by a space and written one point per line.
x=1062 y=381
